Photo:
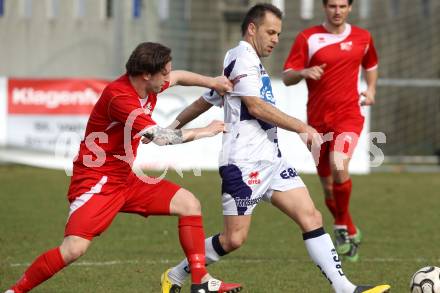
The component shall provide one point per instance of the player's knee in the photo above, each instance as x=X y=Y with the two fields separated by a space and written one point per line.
x=328 y=190
x=72 y=250
x=340 y=175
x=316 y=218
x=311 y=219
x=75 y=252
x=191 y=206
x=194 y=207
x=234 y=242
x=185 y=203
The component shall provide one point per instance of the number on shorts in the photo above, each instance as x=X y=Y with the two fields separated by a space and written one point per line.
x=288 y=173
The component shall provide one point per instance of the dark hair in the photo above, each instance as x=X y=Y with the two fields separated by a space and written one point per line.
x=326 y=1
x=256 y=14
x=148 y=58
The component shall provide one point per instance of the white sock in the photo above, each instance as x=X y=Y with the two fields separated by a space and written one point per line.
x=213 y=253
x=323 y=253
x=335 y=227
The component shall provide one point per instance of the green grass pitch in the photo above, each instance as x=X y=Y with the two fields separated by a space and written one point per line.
x=398 y=213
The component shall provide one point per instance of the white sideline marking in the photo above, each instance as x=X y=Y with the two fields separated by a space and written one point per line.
x=255 y=260
x=409 y=82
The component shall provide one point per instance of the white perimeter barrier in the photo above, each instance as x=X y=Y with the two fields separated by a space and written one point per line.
x=3 y=110
x=49 y=139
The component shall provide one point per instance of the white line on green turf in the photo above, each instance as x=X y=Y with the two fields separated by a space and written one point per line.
x=167 y=261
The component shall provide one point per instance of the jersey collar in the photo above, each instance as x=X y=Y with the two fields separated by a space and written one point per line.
x=346 y=32
x=248 y=46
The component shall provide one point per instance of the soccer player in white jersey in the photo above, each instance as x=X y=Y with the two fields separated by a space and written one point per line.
x=251 y=165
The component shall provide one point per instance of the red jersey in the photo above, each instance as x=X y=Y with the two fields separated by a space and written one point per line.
x=335 y=96
x=105 y=149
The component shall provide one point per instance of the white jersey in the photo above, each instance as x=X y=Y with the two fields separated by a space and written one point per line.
x=247 y=139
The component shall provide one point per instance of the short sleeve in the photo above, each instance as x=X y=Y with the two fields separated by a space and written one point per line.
x=213 y=98
x=370 y=60
x=298 y=55
x=245 y=77
x=126 y=109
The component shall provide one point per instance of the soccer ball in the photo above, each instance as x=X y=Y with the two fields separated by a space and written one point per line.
x=426 y=280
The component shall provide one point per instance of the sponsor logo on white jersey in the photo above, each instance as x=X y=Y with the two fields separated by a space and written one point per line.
x=242 y=203
x=254 y=178
x=266 y=90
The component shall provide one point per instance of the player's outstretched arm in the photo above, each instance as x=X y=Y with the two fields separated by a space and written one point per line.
x=270 y=114
x=165 y=136
x=186 y=78
x=190 y=113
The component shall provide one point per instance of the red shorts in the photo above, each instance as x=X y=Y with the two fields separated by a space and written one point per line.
x=342 y=137
x=96 y=199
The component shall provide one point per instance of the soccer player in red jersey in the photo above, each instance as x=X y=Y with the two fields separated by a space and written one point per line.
x=329 y=58
x=103 y=183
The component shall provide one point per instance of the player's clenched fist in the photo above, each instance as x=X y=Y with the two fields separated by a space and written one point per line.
x=314 y=72
x=367 y=97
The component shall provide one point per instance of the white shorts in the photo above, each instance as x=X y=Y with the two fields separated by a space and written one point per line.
x=245 y=185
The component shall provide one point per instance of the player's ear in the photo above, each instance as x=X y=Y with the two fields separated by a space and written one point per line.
x=146 y=76
x=252 y=29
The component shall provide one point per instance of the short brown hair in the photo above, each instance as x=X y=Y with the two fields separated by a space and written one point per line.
x=148 y=58
x=256 y=14
x=326 y=1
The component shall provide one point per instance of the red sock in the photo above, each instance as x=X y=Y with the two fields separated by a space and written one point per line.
x=351 y=228
x=192 y=239
x=331 y=205
x=341 y=193
x=44 y=267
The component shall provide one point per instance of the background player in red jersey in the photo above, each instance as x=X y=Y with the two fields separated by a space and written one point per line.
x=329 y=57
x=103 y=183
